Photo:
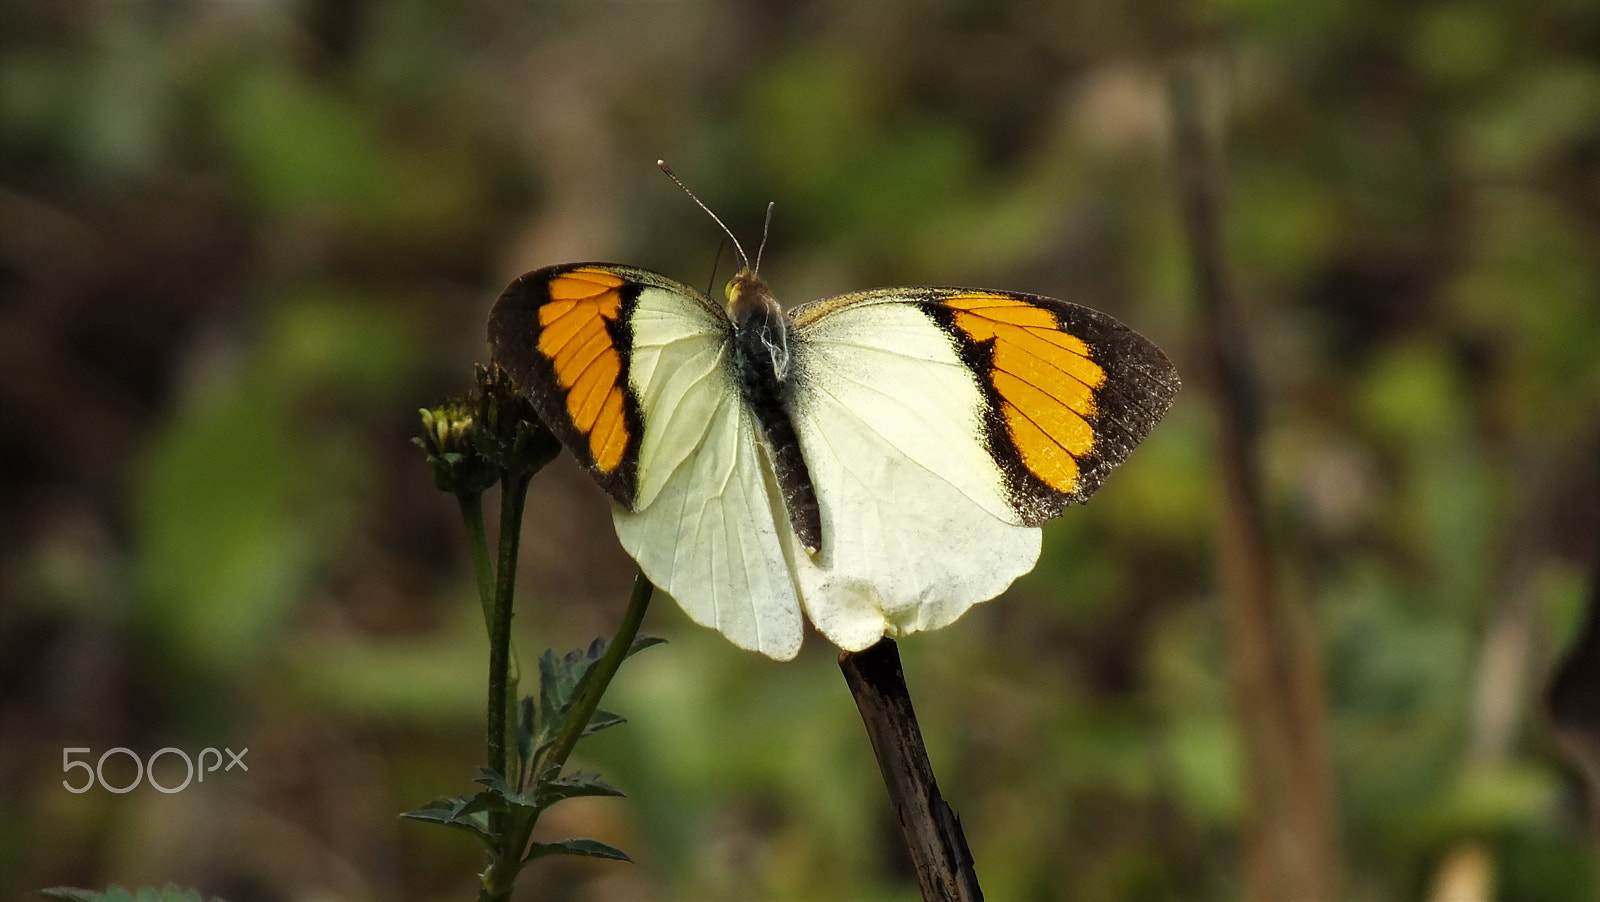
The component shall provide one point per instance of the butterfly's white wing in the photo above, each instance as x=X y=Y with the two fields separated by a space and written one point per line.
x=703 y=525
x=631 y=370
x=916 y=522
x=942 y=425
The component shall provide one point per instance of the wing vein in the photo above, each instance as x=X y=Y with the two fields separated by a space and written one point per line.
x=1045 y=432
x=1049 y=363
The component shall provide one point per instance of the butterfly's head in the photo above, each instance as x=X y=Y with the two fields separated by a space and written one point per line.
x=748 y=295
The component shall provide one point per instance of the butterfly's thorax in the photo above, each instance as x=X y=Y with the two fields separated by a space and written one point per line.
x=761 y=329
x=765 y=367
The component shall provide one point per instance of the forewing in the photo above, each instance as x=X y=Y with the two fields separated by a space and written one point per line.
x=561 y=333
x=940 y=426
x=631 y=371
x=1068 y=391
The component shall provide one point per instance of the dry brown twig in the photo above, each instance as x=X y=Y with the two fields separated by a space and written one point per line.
x=932 y=832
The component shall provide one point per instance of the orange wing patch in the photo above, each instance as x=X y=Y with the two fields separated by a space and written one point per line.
x=573 y=336
x=1044 y=377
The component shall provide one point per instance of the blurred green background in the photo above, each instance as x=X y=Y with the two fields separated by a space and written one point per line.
x=242 y=242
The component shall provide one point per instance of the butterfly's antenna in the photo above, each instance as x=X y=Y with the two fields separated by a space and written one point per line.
x=765 y=228
x=674 y=176
x=715 y=262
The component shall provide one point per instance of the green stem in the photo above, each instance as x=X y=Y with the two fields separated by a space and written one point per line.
x=501 y=876
x=513 y=494
x=588 y=700
x=478 y=542
x=493 y=887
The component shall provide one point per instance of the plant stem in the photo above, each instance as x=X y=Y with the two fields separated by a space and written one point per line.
x=483 y=570
x=934 y=839
x=500 y=878
x=588 y=700
x=513 y=494
x=478 y=542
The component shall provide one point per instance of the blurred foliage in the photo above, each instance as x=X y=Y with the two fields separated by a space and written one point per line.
x=241 y=243
x=169 y=893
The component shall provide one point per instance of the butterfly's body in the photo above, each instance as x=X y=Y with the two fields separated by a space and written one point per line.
x=765 y=368
x=881 y=460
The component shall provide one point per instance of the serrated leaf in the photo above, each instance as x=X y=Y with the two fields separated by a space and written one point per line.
x=169 y=893
x=485 y=801
x=495 y=781
x=589 y=848
x=527 y=710
x=549 y=688
x=559 y=680
x=563 y=679
x=575 y=786
x=430 y=815
x=480 y=830
x=463 y=813
x=549 y=666
x=601 y=720
x=640 y=643
x=498 y=787
x=580 y=665
x=437 y=810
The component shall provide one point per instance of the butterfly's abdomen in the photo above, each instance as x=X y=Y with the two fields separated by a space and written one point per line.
x=763 y=361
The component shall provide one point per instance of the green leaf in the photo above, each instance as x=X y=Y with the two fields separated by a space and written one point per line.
x=560 y=680
x=575 y=786
x=601 y=720
x=463 y=812
x=497 y=786
x=590 y=848
x=168 y=893
x=484 y=801
x=527 y=713
x=640 y=643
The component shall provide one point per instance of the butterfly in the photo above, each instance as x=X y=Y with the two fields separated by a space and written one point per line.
x=880 y=460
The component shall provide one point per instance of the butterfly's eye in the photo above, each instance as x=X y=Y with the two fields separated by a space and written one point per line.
x=731 y=288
